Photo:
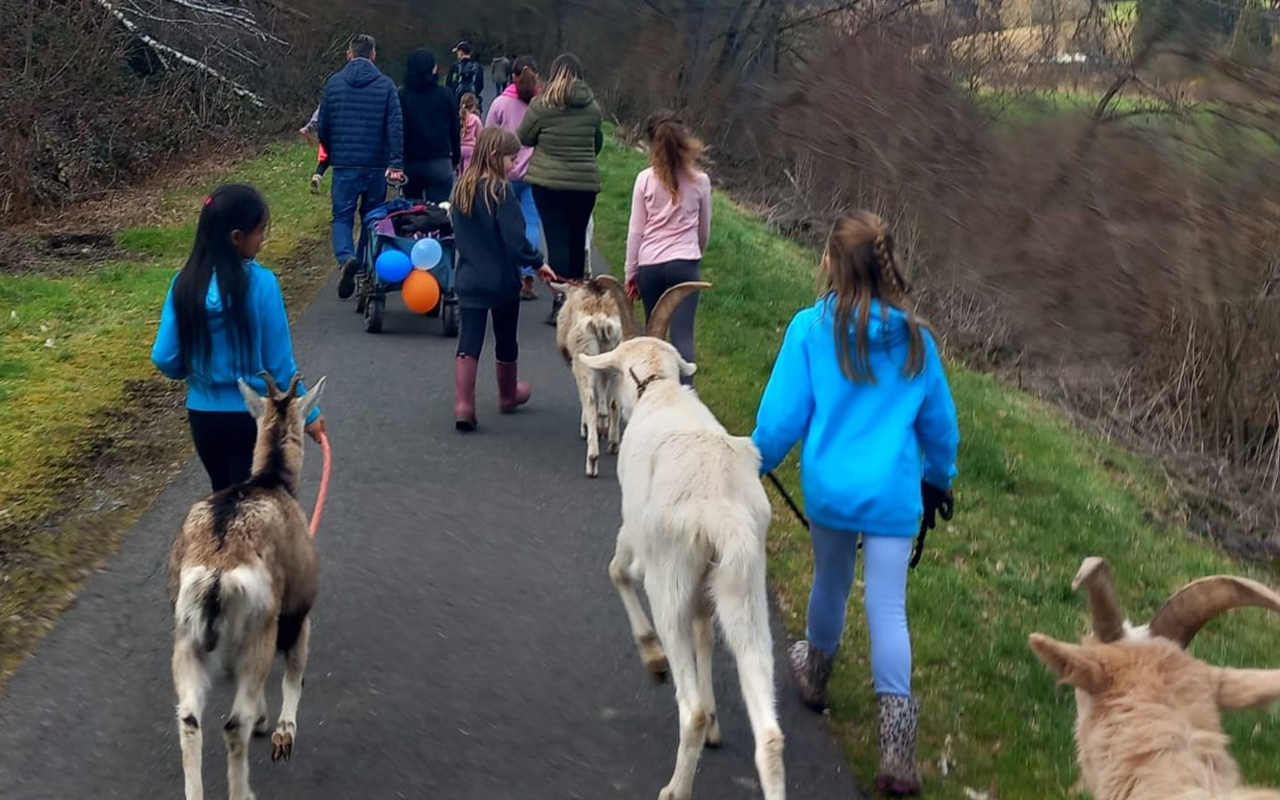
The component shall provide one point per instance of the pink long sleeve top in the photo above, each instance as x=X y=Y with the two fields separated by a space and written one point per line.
x=663 y=231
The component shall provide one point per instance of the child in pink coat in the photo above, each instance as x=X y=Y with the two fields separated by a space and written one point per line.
x=468 y=114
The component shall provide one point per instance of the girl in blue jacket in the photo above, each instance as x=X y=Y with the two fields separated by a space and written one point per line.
x=223 y=320
x=859 y=381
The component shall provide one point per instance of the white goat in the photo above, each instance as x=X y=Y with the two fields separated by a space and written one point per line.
x=1148 y=712
x=694 y=522
x=242 y=580
x=590 y=323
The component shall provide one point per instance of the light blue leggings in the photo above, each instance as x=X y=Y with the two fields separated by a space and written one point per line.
x=834 y=555
x=532 y=222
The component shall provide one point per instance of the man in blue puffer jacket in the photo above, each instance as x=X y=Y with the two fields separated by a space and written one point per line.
x=361 y=128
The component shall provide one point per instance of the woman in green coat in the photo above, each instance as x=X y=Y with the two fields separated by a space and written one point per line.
x=563 y=125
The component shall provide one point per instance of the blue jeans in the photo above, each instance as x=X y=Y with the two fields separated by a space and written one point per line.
x=532 y=223
x=834 y=556
x=353 y=190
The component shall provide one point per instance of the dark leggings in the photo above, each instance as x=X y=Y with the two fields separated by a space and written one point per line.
x=565 y=214
x=224 y=441
x=655 y=279
x=506 y=320
x=429 y=180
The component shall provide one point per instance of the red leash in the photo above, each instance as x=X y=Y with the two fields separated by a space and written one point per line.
x=324 y=484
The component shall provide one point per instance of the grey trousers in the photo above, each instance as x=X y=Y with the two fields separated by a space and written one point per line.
x=653 y=280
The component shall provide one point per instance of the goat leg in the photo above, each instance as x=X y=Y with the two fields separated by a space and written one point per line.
x=294 y=671
x=624 y=576
x=192 y=686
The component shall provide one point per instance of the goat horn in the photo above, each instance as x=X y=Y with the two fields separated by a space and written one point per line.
x=293 y=384
x=660 y=320
x=1104 y=604
x=626 y=307
x=272 y=389
x=1191 y=607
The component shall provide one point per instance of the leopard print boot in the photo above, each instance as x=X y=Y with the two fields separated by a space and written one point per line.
x=899 y=719
x=810 y=669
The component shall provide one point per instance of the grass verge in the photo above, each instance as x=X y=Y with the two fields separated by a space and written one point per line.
x=1034 y=497
x=77 y=387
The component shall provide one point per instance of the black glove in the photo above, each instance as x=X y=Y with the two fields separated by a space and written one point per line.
x=936 y=500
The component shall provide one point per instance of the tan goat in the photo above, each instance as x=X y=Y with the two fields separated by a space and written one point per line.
x=242 y=580
x=590 y=323
x=1148 y=713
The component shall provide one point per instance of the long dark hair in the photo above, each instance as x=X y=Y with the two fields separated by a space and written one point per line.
x=526 y=72
x=234 y=207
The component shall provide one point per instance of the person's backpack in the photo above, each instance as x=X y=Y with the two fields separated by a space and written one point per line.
x=468 y=72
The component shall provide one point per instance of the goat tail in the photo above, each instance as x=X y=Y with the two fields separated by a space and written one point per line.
x=211 y=600
x=607 y=331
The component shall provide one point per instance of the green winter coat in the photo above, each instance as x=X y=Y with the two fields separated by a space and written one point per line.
x=565 y=141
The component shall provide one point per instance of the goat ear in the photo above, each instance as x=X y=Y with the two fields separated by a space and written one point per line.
x=312 y=397
x=1248 y=688
x=1070 y=663
x=252 y=400
x=601 y=362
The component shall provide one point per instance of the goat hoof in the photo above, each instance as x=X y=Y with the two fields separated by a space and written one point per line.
x=593 y=467
x=613 y=448
x=658 y=669
x=582 y=432
x=281 y=744
x=714 y=737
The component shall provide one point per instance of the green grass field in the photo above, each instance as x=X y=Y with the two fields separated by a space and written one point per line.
x=69 y=344
x=1034 y=497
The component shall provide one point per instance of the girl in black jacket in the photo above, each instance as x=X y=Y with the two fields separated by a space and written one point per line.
x=432 y=145
x=489 y=234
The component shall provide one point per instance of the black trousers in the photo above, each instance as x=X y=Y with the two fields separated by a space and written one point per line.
x=429 y=180
x=565 y=215
x=506 y=321
x=224 y=441
x=655 y=279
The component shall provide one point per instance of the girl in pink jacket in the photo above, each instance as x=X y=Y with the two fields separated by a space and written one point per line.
x=670 y=223
x=507 y=111
x=468 y=107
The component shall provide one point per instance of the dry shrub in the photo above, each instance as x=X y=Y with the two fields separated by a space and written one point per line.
x=1124 y=266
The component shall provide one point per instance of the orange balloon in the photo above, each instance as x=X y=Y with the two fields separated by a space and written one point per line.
x=421 y=291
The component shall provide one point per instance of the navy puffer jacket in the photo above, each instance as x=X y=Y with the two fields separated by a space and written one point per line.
x=360 y=122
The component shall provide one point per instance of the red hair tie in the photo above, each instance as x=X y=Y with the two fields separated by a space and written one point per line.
x=208 y=201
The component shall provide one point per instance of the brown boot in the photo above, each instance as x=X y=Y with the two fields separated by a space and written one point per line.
x=464 y=393
x=512 y=392
x=899 y=721
x=811 y=670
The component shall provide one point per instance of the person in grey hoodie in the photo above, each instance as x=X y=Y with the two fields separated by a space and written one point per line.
x=361 y=127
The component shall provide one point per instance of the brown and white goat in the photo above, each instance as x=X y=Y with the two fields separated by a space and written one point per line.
x=591 y=322
x=242 y=580
x=1148 y=713
x=694 y=522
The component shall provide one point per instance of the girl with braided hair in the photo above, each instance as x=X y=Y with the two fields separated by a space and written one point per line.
x=860 y=382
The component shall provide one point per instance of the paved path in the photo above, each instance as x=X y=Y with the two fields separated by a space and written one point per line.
x=467 y=642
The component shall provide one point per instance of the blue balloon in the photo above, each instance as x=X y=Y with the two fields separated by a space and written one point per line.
x=393 y=266
x=427 y=253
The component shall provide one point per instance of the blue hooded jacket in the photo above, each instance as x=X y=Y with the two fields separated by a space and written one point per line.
x=866 y=445
x=214 y=388
x=360 y=122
